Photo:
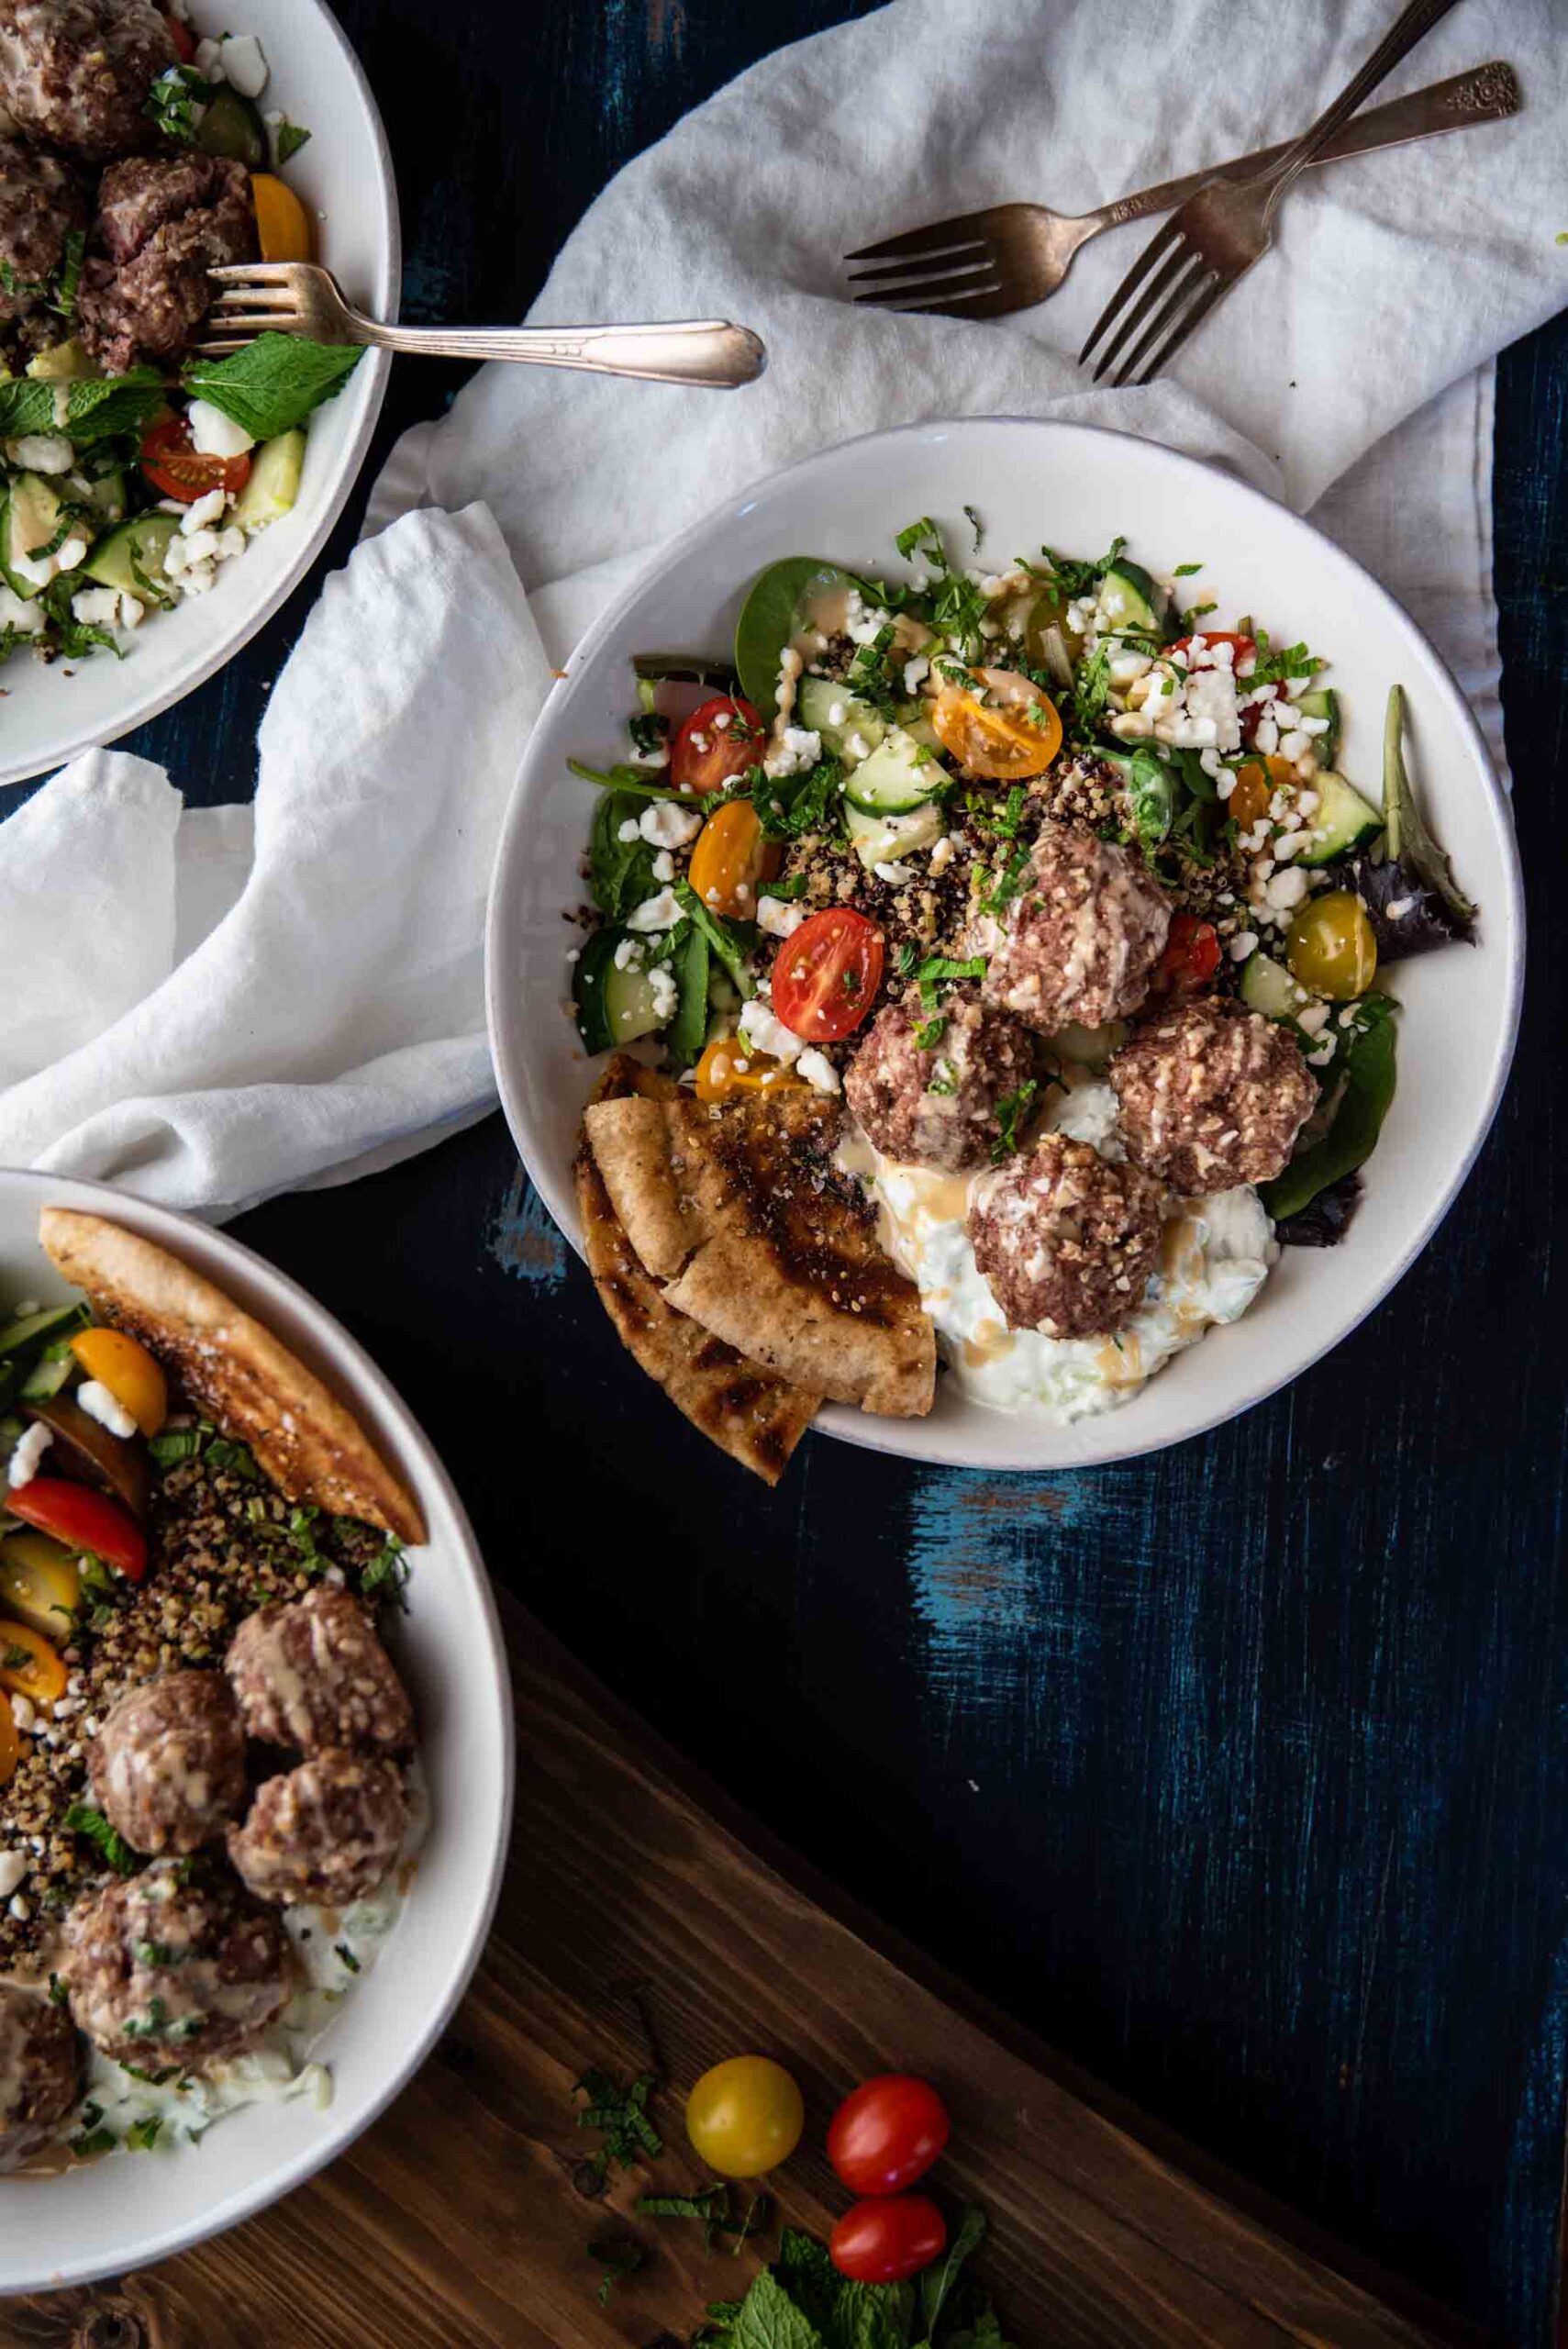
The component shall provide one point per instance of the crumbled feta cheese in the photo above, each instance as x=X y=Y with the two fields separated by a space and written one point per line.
x=1295 y=744
x=41 y=453
x=1286 y=889
x=13 y=1868
x=1312 y=1019
x=778 y=917
x=206 y=60
x=761 y=1031
x=914 y=672
x=666 y=826
x=93 y=1397
x=894 y=874
x=942 y=854
x=201 y=511
x=96 y=606
x=1245 y=942
x=659 y=756
x=133 y=611
x=664 y=992
x=198 y=579
x=213 y=434
x=797 y=748
x=629 y=830
x=655 y=913
x=24 y=617
x=723 y=721
x=857 y=746
x=663 y=866
x=201 y=546
x=628 y=954
x=1323 y=1055
x=861 y=626
x=29 y=1450
x=1265 y=737
x=22 y=1712
x=244 y=65
x=818 y=1071
x=1397 y=907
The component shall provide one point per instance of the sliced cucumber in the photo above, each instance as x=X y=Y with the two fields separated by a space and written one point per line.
x=1267 y=987
x=106 y=497
x=856 y=720
x=1129 y=599
x=67 y=362
x=132 y=557
x=915 y=719
x=33 y=515
x=614 y=1007
x=232 y=126
x=33 y=1329
x=1324 y=703
x=900 y=775
x=1343 y=820
x=882 y=840
x=49 y=1372
x=273 y=484
x=688 y=1028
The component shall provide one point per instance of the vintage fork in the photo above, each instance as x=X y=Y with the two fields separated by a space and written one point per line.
x=986 y=264
x=1213 y=240
x=295 y=298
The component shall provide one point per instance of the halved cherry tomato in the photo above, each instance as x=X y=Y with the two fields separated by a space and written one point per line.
x=826 y=976
x=1191 y=956
x=729 y=860
x=1240 y=645
x=727 y=1066
x=10 y=1744
x=1331 y=947
x=177 y=470
x=719 y=741
x=885 y=2239
x=886 y=2133
x=82 y=1519
x=1257 y=779
x=133 y=1376
x=745 y=2116
x=184 y=39
x=282 y=224
x=1005 y=744
x=40 y=1582
x=28 y=1663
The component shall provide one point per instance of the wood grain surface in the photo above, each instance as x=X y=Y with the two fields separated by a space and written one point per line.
x=638 y=1931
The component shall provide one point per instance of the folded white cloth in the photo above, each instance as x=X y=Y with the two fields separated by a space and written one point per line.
x=216 y=1026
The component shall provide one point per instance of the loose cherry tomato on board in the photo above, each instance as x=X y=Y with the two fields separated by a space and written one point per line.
x=885 y=2239
x=745 y=2116
x=1191 y=956
x=178 y=470
x=826 y=976
x=82 y=1519
x=718 y=742
x=886 y=2133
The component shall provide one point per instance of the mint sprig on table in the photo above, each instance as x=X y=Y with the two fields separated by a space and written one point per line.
x=275 y=382
x=803 y=2303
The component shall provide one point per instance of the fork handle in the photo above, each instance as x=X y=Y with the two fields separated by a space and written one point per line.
x=1411 y=25
x=709 y=351
x=1487 y=93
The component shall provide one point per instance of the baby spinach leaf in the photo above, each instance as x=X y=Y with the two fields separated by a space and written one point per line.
x=620 y=873
x=770 y=616
x=1366 y=1088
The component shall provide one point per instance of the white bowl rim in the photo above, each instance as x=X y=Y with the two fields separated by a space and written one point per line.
x=354 y=1372
x=892 y=1436
x=373 y=370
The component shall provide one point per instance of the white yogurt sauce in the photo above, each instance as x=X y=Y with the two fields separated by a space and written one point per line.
x=1216 y=1255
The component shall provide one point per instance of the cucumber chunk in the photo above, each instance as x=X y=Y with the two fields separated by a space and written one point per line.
x=1129 y=599
x=132 y=557
x=49 y=1372
x=1324 y=703
x=273 y=484
x=67 y=362
x=856 y=719
x=882 y=840
x=614 y=1007
x=33 y=515
x=35 y=1329
x=106 y=499
x=900 y=775
x=1343 y=820
x=1267 y=987
x=232 y=126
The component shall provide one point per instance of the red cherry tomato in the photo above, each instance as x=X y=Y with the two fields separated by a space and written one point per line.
x=888 y=2238
x=82 y=1519
x=1191 y=956
x=1240 y=645
x=886 y=2133
x=718 y=741
x=184 y=39
x=826 y=976
x=177 y=470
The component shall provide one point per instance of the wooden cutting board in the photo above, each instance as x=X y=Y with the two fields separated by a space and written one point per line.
x=640 y=1924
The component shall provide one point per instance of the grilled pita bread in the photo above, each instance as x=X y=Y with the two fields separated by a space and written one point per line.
x=755 y=1415
x=304 y=1440
x=740 y=1214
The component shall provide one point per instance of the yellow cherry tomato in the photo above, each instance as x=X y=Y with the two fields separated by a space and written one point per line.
x=1005 y=744
x=40 y=1582
x=1330 y=947
x=133 y=1376
x=720 y=1073
x=745 y=2116
x=729 y=860
x=282 y=224
x=30 y=1665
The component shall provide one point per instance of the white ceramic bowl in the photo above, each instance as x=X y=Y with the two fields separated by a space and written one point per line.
x=344 y=178
x=1072 y=487
x=126 y=2211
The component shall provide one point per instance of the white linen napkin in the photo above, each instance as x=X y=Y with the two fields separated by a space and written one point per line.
x=227 y=1026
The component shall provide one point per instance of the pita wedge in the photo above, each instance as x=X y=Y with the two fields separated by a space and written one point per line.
x=303 y=1439
x=752 y=1414
x=738 y=1213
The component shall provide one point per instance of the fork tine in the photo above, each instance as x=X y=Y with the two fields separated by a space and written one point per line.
x=923 y=292
x=998 y=303
x=937 y=237
x=1178 y=265
x=250 y=322
x=1194 y=316
x=1158 y=243
x=1193 y=281
x=927 y=265
x=258 y=272
x=261 y=297
x=221 y=349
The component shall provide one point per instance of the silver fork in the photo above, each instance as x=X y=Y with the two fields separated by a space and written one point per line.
x=295 y=298
x=1213 y=240
x=987 y=264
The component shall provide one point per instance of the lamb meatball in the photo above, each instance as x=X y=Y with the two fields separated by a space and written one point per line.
x=167 y=1765
x=1079 y=938
x=1066 y=1239
x=936 y=1103
x=326 y=1832
x=40 y=204
x=165 y=1972
x=76 y=72
x=1212 y=1095
x=41 y=2073
x=314 y=1675
x=162 y=223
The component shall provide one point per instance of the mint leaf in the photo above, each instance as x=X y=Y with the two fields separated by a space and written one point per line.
x=292 y=136
x=939 y=2278
x=273 y=383
x=769 y=2319
x=81 y=1819
x=115 y=404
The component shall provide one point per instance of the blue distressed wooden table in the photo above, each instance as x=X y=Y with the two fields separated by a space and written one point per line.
x=1239 y=1772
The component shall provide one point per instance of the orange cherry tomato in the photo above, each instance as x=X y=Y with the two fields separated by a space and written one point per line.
x=178 y=470
x=826 y=976
x=282 y=224
x=1006 y=743
x=133 y=1376
x=1256 y=783
x=717 y=742
x=729 y=860
x=726 y=1067
x=28 y=1663
x=1191 y=956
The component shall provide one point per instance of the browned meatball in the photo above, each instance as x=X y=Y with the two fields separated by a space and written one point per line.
x=41 y=2073
x=315 y=1674
x=167 y=1765
x=326 y=1832
x=1066 y=1239
x=160 y=1971
x=1080 y=936
x=77 y=73
x=1212 y=1095
x=935 y=1101
x=163 y=222
x=41 y=203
